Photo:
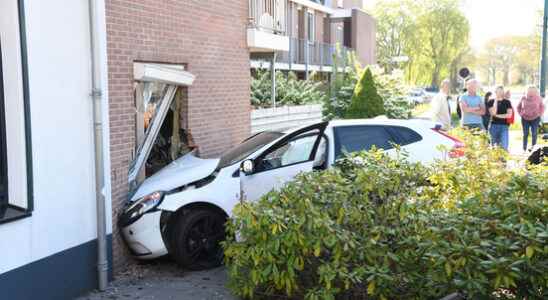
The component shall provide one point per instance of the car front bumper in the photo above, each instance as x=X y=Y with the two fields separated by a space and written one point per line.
x=144 y=236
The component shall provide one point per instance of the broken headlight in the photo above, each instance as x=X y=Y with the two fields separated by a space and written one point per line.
x=141 y=206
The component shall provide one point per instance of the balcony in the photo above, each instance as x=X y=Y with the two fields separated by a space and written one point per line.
x=267 y=26
x=305 y=55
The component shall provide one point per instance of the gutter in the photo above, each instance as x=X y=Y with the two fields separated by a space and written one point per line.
x=101 y=133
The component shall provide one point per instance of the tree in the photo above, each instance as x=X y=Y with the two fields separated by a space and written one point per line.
x=447 y=31
x=396 y=31
x=505 y=54
x=366 y=102
x=432 y=34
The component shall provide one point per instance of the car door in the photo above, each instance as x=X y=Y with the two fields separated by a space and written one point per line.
x=281 y=162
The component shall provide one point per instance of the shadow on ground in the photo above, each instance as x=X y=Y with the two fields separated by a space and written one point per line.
x=163 y=279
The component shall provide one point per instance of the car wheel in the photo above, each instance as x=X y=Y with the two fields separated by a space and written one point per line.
x=196 y=237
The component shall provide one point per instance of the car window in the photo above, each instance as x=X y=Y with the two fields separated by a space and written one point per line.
x=247 y=147
x=359 y=138
x=403 y=135
x=296 y=150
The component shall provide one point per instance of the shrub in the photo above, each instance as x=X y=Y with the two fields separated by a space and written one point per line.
x=289 y=90
x=365 y=102
x=379 y=227
x=390 y=87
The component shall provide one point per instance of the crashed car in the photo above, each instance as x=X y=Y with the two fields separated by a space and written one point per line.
x=181 y=210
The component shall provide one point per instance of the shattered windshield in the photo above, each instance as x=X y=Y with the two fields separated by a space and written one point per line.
x=247 y=147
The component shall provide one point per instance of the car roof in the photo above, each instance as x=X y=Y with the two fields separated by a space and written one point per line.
x=382 y=121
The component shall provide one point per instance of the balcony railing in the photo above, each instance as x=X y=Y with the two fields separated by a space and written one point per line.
x=268 y=15
x=308 y=53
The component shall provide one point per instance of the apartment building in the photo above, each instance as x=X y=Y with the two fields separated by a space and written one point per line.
x=181 y=68
x=304 y=34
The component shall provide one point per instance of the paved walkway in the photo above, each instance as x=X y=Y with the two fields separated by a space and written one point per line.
x=165 y=280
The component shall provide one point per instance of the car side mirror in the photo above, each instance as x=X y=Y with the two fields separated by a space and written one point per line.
x=247 y=167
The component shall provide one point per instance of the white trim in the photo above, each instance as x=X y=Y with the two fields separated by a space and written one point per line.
x=169 y=74
x=261 y=41
x=341 y=13
x=314 y=6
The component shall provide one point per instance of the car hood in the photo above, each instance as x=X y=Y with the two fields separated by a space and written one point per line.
x=183 y=170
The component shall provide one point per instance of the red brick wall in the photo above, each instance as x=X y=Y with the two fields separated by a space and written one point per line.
x=209 y=37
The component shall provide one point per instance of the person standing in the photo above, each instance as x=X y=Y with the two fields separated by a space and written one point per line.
x=472 y=107
x=441 y=111
x=486 y=118
x=500 y=110
x=530 y=108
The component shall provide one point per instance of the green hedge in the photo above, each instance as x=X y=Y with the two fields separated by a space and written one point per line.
x=378 y=227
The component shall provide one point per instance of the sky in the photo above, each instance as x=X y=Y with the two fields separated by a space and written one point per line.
x=494 y=18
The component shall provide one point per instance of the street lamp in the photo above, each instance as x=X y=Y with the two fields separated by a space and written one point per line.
x=543 y=63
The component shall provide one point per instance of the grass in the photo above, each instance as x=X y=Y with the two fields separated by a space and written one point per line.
x=420 y=109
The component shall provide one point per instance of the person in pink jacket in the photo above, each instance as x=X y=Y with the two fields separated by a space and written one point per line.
x=530 y=108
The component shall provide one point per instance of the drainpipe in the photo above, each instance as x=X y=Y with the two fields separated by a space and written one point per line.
x=102 y=174
x=273 y=79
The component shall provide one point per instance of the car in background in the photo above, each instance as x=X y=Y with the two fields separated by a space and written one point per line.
x=182 y=209
x=416 y=96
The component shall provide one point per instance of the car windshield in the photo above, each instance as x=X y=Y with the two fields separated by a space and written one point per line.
x=247 y=147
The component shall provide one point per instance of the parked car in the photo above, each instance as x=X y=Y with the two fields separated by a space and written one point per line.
x=181 y=210
x=417 y=96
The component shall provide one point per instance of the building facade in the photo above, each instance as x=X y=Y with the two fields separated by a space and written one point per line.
x=48 y=211
x=81 y=84
x=205 y=38
x=306 y=35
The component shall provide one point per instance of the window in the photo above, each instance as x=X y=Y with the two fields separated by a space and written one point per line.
x=15 y=147
x=296 y=150
x=311 y=27
x=359 y=138
x=3 y=157
x=403 y=135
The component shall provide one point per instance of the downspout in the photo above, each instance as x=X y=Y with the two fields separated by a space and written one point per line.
x=101 y=173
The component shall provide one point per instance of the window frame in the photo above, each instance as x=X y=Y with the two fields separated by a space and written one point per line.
x=303 y=131
x=10 y=212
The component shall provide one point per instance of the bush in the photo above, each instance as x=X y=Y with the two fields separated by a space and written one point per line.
x=390 y=87
x=289 y=90
x=365 y=102
x=379 y=227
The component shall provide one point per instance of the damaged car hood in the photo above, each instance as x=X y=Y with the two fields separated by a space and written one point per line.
x=182 y=171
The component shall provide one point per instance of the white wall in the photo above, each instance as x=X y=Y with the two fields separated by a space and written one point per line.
x=62 y=135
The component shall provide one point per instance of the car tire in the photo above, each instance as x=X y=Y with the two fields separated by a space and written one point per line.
x=195 y=239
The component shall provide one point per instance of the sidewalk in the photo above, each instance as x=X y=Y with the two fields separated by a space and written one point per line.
x=165 y=280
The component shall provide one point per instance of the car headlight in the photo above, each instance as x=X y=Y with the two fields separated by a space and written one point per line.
x=141 y=206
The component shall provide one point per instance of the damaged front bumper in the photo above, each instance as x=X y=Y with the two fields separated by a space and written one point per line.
x=144 y=236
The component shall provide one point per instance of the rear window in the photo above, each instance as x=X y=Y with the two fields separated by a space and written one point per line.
x=403 y=135
x=350 y=139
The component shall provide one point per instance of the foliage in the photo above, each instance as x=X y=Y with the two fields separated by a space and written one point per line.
x=503 y=54
x=380 y=227
x=433 y=35
x=390 y=86
x=289 y=90
x=365 y=102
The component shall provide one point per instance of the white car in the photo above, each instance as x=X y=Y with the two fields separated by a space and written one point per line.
x=181 y=210
x=417 y=96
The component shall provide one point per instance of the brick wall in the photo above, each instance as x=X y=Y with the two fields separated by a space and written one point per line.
x=209 y=37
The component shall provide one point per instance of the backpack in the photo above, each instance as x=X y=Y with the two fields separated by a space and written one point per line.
x=459 y=112
x=510 y=120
